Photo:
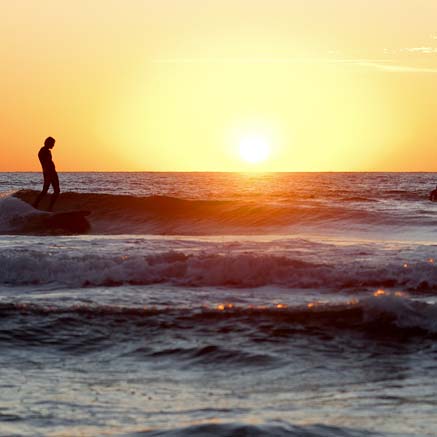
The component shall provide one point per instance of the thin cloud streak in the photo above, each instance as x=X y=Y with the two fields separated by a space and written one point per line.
x=398 y=68
x=386 y=65
x=262 y=61
x=424 y=50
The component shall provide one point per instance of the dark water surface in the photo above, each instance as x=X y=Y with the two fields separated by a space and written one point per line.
x=221 y=305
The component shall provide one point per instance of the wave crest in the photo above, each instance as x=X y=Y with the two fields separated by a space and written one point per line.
x=124 y=214
x=278 y=429
x=86 y=328
x=204 y=268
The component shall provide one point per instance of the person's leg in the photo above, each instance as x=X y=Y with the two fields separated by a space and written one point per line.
x=45 y=188
x=56 y=190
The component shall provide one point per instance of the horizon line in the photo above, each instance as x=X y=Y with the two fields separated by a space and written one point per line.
x=225 y=171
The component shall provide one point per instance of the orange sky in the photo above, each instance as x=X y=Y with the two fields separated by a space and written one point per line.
x=169 y=85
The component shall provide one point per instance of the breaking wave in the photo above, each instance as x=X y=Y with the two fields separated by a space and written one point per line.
x=124 y=214
x=241 y=270
x=279 y=429
x=383 y=314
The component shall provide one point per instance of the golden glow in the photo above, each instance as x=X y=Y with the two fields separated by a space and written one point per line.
x=254 y=149
x=159 y=86
x=225 y=306
x=379 y=293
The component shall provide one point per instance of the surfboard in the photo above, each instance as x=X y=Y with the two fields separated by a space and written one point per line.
x=69 y=221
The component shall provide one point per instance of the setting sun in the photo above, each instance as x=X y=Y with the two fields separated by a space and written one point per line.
x=254 y=149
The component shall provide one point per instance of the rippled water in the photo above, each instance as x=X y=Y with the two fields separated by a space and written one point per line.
x=220 y=304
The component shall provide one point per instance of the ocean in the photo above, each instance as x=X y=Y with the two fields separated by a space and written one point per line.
x=220 y=304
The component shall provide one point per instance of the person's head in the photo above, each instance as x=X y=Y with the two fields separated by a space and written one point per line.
x=49 y=142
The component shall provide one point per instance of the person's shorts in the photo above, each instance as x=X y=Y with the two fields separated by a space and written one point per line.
x=53 y=180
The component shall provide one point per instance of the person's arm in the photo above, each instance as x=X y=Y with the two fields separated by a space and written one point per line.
x=47 y=162
x=51 y=163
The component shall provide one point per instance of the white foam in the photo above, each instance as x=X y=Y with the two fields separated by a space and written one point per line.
x=13 y=211
x=105 y=265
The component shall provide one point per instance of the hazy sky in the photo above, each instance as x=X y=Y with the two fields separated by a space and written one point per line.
x=176 y=84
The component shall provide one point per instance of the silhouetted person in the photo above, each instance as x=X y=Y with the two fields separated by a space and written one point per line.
x=433 y=195
x=49 y=171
